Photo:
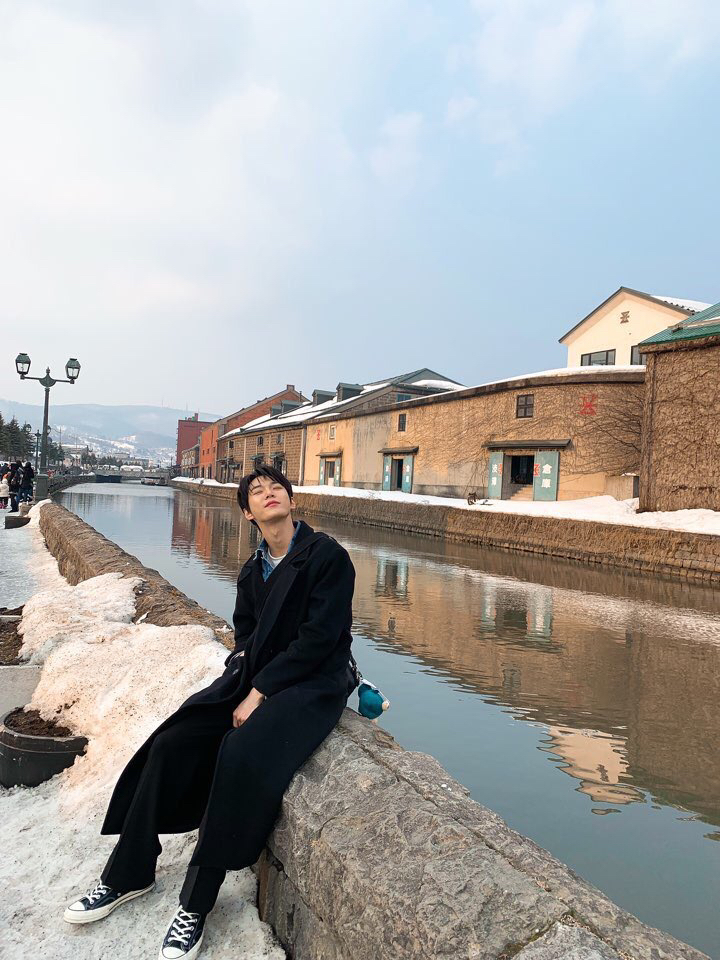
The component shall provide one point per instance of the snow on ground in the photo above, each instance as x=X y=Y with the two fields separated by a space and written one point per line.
x=113 y=681
x=603 y=509
x=202 y=482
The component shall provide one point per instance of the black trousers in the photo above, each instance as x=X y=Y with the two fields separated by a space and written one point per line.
x=181 y=755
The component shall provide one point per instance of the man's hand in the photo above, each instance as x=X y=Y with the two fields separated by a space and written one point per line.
x=243 y=710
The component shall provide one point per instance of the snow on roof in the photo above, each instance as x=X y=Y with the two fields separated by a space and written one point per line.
x=308 y=412
x=443 y=384
x=567 y=372
x=695 y=305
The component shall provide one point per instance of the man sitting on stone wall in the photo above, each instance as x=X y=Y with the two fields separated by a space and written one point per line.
x=222 y=761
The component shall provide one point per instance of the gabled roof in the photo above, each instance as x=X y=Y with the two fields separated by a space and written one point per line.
x=684 y=307
x=309 y=411
x=257 y=403
x=706 y=323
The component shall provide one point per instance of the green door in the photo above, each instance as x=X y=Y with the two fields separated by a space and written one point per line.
x=495 y=476
x=338 y=468
x=545 y=475
x=322 y=471
x=387 y=471
x=407 y=474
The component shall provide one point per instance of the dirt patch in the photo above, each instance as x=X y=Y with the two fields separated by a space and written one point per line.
x=10 y=643
x=30 y=722
x=14 y=612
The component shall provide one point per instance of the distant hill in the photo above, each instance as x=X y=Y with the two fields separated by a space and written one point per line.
x=140 y=431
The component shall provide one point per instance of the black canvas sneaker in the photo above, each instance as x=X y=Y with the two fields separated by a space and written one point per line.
x=184 y=936
x=98 y=902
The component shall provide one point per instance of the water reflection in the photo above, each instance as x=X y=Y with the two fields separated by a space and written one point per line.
x=612 y=680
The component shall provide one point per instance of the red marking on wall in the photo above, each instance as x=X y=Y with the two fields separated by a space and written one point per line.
x=588 y=406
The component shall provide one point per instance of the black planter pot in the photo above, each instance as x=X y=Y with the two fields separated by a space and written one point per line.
x=26 y=760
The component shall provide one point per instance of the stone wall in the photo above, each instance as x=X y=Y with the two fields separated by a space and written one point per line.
x=56 y=484
x=681 y=450
x=674 y=553
x=82 y=553
x=378 y=852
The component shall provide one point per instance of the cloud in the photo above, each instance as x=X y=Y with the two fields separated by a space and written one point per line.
x=529 y=59
x=459 y=109
x=397 y=153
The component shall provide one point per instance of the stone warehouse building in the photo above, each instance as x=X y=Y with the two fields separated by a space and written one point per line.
x=559 y=435
x=681 y=427
x=280 y=437
x=610 y=335
x=215 y=456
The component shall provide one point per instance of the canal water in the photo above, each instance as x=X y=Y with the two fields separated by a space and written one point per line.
x=581 y=705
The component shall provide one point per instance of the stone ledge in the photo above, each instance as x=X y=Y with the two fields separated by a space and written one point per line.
x=82 y=553
x=379 y=852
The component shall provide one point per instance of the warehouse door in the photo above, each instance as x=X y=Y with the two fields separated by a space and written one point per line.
x=495 y=476
x=545 y=475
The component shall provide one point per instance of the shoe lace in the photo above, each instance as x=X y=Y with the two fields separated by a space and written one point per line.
x=182 y=926
x=99 y=890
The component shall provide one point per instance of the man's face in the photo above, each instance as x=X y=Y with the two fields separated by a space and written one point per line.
x=268 y=500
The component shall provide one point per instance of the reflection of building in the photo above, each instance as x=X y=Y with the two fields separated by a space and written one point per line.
x=630 y=703
x=217 y=535
x=626 y=682
x=597 y=760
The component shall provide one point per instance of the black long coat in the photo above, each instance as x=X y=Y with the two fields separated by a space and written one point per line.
x=292 y=643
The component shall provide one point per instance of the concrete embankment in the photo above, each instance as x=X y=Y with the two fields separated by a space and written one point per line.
x=378 y=852
x=675 y=553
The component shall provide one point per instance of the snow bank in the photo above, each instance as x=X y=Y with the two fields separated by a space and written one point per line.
x=113 y=681
x=605 y=509
x=203 y=482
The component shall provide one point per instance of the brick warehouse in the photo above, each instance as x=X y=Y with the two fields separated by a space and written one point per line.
x=559 y=435
x=279 y=438
x=681 y=430
x=215 y=453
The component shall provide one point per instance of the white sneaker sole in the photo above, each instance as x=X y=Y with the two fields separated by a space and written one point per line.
x=190 y=954
x=90 y=916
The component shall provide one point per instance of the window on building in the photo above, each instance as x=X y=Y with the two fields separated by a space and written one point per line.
x=402 y=422
x=601 y=358
x=637 y=357
x=260 y=441
x=279 y=463
x=331 y=433
x=279 y=438
x=525 y=405
x=404 y=396
x=232 y=443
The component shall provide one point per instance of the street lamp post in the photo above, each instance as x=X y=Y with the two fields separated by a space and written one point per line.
x=37 y=447
x=72 y=369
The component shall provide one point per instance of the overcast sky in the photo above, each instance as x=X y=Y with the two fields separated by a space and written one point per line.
x=204 y=201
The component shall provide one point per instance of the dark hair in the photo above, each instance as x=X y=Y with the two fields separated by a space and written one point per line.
x=260 y=471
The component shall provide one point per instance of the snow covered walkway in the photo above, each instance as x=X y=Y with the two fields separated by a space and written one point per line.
x=113 y=681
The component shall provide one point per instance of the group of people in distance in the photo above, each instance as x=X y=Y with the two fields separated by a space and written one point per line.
x=16 y=484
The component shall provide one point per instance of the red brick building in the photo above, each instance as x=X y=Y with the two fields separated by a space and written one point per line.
x=188 y=434
x=216 y=459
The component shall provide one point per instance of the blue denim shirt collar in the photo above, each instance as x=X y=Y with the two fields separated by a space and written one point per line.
x=263 y=551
